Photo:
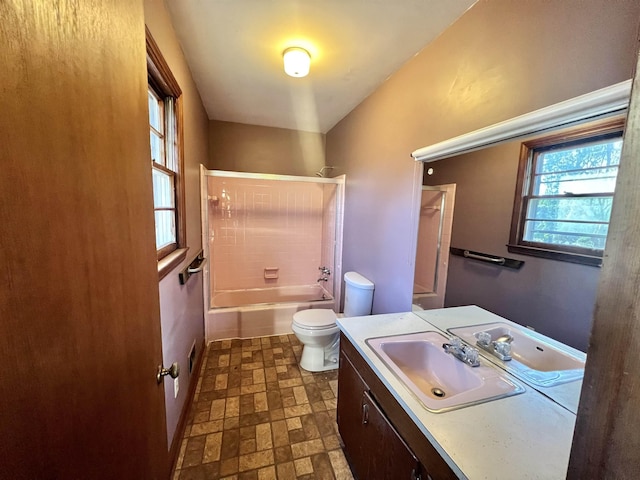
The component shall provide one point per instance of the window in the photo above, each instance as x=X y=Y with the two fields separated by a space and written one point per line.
x=165 y=134
x=165 y=169
x=564 y=194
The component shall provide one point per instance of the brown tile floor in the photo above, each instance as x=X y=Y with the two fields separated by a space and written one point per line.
x=257 y=415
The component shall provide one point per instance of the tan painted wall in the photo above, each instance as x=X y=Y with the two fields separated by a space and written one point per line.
x=253 y=148
x=181 y=306
x=501 y=59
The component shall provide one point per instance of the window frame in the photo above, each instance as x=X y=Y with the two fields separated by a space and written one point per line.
x=164 y=84
x=528 y=151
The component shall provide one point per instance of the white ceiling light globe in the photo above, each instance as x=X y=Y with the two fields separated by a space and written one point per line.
x=296 y=62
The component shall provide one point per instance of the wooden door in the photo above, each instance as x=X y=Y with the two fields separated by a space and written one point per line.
x=79 y=309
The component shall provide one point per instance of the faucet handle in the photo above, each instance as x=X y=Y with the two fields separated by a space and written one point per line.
x=484 y=338
x=452 y=345
x=464 y=353
x=472 y=355
x=503 y=348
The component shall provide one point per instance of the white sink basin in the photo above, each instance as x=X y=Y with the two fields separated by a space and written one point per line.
x=439 y=380
x=533 y=359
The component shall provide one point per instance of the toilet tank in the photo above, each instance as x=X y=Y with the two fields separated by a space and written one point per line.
x=358 y=298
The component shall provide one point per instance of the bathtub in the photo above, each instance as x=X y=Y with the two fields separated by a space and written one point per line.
x=260 y=312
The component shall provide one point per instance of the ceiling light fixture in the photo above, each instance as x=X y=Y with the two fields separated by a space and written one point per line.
x=296 y=61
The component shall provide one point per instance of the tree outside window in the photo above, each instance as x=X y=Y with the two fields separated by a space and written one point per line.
x=565 y=192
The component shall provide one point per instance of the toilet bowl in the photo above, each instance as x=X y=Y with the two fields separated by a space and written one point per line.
x=317 y=329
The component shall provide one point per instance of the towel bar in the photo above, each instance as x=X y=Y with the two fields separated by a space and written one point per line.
x=485 y=257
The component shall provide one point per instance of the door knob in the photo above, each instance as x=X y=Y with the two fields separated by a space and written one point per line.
x=172 y=371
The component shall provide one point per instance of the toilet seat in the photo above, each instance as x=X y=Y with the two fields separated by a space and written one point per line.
x=315 y=319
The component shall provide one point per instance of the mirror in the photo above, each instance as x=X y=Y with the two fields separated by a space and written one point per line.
x=553 y=297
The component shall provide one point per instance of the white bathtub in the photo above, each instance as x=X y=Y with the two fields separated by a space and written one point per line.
x=260 y=312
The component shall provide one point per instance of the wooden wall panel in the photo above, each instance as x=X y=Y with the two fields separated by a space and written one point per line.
x=606 y=440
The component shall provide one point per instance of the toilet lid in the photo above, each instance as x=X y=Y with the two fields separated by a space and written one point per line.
x=315 y=318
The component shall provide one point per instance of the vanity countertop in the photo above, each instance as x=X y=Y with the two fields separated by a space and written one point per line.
x=526 y=436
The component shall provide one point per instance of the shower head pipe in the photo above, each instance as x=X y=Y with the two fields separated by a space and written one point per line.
x=320 y=173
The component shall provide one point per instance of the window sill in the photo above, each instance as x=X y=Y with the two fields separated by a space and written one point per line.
x=555 y=255
x=171 y=261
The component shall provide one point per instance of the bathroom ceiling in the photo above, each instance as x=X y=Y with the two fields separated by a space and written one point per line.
x=234 y=50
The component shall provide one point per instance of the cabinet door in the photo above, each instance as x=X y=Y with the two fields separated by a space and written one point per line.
x=373 y=447
x=389 y=456
x=351 y=389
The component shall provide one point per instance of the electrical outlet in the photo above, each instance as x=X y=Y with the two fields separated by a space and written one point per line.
x=176 y=387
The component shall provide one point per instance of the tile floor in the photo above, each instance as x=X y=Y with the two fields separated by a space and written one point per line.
x=257 y=415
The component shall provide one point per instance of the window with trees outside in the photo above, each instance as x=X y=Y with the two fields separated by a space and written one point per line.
x=564 y=193
x=165 y=134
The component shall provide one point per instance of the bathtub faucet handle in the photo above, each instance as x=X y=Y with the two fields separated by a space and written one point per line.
x=325 y=270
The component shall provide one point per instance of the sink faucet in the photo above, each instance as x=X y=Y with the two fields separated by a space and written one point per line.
x=501 y=347
x=464 y=353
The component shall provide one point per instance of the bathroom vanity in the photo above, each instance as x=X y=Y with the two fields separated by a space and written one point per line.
x=380 y=439
x=389 y=433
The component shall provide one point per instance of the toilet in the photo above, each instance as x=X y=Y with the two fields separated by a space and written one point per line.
x=317 y=330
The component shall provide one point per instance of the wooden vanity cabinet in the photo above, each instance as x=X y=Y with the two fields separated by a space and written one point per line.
x=350 y=413
x=380 y=439
x=374 y=448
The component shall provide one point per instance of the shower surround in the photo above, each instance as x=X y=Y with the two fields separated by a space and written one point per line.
x=266 y=236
